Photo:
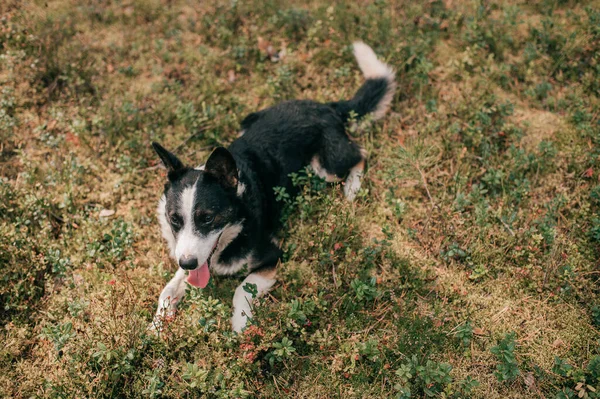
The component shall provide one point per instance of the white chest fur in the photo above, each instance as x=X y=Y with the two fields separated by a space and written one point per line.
x=229 y=234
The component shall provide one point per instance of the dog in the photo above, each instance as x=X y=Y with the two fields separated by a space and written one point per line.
x=222 y=217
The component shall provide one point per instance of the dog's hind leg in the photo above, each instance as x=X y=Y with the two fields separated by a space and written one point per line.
x=170 y=296
x=340 y=157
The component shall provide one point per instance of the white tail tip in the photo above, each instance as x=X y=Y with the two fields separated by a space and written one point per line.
x=368 y=63
x=372 y=68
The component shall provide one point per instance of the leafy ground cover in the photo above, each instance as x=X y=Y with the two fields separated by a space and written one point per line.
x=468 y=266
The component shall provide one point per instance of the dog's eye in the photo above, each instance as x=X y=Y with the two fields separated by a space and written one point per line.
x=176 y=221
x=206 y=218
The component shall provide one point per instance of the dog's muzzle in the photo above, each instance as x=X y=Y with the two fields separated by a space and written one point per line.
x=188 y=262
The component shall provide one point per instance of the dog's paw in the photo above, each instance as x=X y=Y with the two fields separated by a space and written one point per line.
x=239 y=321
x=154 y=329
x=352 y=186
x=156 y=325
x=161 y=319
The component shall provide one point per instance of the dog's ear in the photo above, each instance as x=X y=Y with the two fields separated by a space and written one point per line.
x=171 y=162
x=221 y=165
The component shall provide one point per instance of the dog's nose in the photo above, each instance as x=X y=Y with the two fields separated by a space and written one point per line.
x=188 y=262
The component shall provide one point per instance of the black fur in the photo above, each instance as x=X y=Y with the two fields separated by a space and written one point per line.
x=365 y=100
x=221 y=165
x=175 y=167
x=276 y=142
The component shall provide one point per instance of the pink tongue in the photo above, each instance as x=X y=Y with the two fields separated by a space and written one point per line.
x=199 y=277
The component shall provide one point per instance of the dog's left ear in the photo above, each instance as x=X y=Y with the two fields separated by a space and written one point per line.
x=171 y=162
x=221 y=165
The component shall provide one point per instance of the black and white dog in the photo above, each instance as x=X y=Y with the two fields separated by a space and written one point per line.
x=222 y=217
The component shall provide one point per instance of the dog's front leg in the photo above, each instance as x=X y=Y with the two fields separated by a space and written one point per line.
x=254 y=286
x=169 y=298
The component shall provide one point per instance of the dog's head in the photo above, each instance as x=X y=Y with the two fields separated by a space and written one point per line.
x=197 y=205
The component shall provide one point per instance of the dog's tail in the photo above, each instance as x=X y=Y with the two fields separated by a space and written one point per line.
x=376 y=94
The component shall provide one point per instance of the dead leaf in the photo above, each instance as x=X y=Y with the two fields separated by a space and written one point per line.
x=231 y=76
x=529 y=380
x=78 y=279
x=104 y=213
x=282 y=53
x=263 y=45
x=71 y=138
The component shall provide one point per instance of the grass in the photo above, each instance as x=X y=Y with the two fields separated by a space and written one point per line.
x=467 y=267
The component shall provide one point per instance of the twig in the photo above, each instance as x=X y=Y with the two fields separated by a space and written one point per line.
x=425 y=184
x=366 y=330
x=506 y=226
x=200 y=149
x=157 y=166
x=276 y=385
x=334 y=275
x=201 y=129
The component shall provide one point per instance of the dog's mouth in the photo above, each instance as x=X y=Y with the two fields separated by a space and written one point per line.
x=200 y=276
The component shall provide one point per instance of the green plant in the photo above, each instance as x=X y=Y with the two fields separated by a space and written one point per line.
x=429 y=378
x=195 y=376
x=507 y=369
x=464 y=333
x=596 y=315
x=114 y=245
x=369 y=350
x=561 y=367
x=154 y=385
x=58 y=334
x=281 y=351
x=364 y=292
x=295 y=22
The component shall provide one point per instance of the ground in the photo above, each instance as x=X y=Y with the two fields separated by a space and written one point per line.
x=467 y=266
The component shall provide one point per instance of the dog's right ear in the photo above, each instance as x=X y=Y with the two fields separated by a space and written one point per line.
x=171 y=162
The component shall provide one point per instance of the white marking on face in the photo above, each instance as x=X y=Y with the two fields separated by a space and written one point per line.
x=201 y=167
x=315 y=164
x=190 y=243
x=242 y=300
x=165 y=227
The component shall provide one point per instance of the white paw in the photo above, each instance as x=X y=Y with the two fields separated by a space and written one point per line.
x=352 y=186
x=239 y=320
x=156 y=326
x=162 y=317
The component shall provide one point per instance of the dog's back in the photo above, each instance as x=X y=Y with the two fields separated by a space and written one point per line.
x=285 y=138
